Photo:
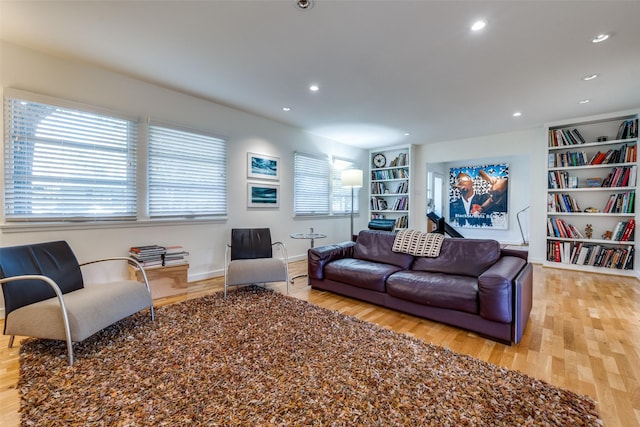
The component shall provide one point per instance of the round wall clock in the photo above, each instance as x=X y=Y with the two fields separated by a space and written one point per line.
x=379 y=160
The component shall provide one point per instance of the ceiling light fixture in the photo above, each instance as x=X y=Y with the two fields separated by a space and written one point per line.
x=286 y=109
x=304 y=4
x=600 y=38
x=584 y=101
x=517 y=114
x=589 y=77
x=314 y=88
x=478 y=25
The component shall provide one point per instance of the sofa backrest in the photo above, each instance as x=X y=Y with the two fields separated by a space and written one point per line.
x=466 y=257
x=55 y=260
x=373 y=245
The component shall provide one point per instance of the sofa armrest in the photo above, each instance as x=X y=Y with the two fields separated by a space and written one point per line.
x=495 y=289
x=322 y=255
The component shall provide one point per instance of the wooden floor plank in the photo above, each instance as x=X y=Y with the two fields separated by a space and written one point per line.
x=584 y=335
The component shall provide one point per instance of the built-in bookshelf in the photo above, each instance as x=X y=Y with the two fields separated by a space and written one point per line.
x=592 y=181
x=389 y=184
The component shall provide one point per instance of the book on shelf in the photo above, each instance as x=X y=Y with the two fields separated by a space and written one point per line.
x=628 y=129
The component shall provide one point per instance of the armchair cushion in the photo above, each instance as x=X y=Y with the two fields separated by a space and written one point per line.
x=89 y=310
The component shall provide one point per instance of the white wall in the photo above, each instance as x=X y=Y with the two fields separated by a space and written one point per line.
x=40 y=73
x=524 y=152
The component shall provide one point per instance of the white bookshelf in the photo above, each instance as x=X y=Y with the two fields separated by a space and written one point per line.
x=582 y=192
x=390 y=184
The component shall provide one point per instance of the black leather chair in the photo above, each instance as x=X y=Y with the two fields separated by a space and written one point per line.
x=382 y=224
x=45 y=294
x=249 y=259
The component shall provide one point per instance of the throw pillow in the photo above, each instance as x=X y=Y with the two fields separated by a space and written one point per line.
x=417 y=243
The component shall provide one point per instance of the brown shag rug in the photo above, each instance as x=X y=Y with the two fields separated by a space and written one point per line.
x=264 y=359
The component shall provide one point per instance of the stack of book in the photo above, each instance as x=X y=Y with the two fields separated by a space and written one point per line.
x=158 y=256
x=174 y=255
x=147 y=256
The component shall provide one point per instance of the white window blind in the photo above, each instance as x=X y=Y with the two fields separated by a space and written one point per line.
x=187 y=173
x=311 y=186
x=341 y=196
x=64 y=163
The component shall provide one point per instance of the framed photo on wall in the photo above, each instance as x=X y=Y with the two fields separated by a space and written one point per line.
x=263 y=195
x=263 y=167
x=478 y=196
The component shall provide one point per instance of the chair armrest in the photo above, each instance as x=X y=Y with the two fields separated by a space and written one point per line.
x=322 y=255
x=495 y=289
x=283 y=250
x=59 y=295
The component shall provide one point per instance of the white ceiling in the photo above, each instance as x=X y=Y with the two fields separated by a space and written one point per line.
x=384 y=67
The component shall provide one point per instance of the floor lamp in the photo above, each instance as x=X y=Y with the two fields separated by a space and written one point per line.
x=352 y=178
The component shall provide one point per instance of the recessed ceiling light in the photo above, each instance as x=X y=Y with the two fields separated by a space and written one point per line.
x=407 y=134
x=286 y=109
x=584 y=101
x=304 y=4
x=478 y=25
x=314 y=88
x=517 y=114
x=600 y=38
x=589 y=77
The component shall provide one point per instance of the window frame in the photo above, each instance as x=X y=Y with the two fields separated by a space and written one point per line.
x=108 y=144
x=197 y=137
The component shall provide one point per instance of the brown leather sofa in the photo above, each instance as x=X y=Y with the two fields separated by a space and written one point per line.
x=472 y=284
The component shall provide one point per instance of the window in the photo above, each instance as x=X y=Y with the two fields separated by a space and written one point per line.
x=64 y=162
x=318 y=186
x=341 y=196
x=311 y=186
x=187 y=173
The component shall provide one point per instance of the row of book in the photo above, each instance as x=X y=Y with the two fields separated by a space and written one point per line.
x=579 y=253
x=620 y=203
x=562 y=179
x=628 y=129
x=562 y=203
x=557 y=227
x=380 y=204
x=156 y=255
x=560 y=137
x=621 y=177
x=400 y=160
x=390 y=174
x=625 y=154
x=381 y=188
x=624 y=231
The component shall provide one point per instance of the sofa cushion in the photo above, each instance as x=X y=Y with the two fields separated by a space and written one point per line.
x=465 y=257
x=435 y=289
x=361 y=273
x=376 y=246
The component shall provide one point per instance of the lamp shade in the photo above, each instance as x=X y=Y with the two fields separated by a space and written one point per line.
x=352 y=178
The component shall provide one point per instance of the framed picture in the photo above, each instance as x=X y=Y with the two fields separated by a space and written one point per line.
x=478 y=196
x=263 y=167
x=594 y=182
x=263 y=195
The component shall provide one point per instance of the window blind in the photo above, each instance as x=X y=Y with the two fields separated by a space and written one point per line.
x=187 y=173
x=65 y=163
x=311 y=186
x=341 y=196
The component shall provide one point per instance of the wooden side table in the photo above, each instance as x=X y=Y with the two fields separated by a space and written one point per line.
x=177 y=273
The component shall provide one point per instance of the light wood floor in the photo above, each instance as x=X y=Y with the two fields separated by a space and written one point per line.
x=583 y=335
